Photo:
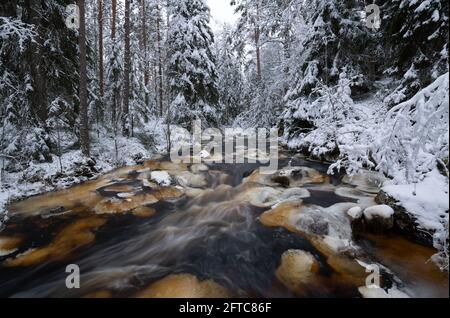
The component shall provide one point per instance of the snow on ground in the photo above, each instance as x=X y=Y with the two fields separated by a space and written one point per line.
x=108 y=152
x=427 y=201
x=39 y=178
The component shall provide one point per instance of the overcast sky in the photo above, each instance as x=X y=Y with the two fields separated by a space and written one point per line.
x=221 y=11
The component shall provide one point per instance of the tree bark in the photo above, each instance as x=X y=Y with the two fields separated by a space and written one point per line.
x=84 y=129
x=113 y=19
x=127 y=69
x=160 y=66
x=145 y=42
x=145 y=48
x=257 y=44
x=39 y=105
x=100 y=48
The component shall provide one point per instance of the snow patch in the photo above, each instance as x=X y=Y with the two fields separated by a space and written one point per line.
x=162 y=178
x=427 y=201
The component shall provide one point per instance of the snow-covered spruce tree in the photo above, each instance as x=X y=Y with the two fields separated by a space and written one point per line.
x=42 y=70
x=413 y=147
x=332 y=37
x=231 y=80
x=140 y=95
x=415 y=36
x=192 y=70
x=336 y=37
x=343 y=134
x=414 y=139
x=114 y=70
x=264 y=32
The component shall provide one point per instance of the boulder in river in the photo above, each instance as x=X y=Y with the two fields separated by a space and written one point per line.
x=189 y=179
x=379 y=293
x=284 y=215
x=379 y=218
x=297 y=270
x=405 y=223
x=184 y=286
x=9 y=245
x=74 y=236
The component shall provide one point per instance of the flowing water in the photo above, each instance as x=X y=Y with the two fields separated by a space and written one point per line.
x=216 y=231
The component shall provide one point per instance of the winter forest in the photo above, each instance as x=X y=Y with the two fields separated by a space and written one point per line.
x=95 y=95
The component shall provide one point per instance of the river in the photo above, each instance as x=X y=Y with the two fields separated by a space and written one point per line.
x=216 y=230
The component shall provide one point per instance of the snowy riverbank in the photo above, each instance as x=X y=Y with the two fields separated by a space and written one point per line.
x=72 y=169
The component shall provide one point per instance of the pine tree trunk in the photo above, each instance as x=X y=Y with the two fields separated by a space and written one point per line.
x=257 y=44
x=100 y=48
x=36 y=63
x=145 y=42
x=113 y=38
x=145 y=48
x=127 y=69
x=84 y=129
x=160 y=66
x=113 y=19
x=258 y=54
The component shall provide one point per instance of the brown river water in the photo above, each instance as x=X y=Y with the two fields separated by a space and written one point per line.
x=216 y=231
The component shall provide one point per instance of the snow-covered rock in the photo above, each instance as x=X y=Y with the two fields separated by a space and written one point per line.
x=367 y=292
x=379 y=218
x=188 y=179
x=297 y=269
x=379 y=211
x=199 y=168
x=162 y=178
x=426 y=204
x=355 y=213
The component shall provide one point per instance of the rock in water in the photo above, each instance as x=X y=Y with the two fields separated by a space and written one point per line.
x=297 y=270
x=355 y=213
x=74 y=236
x=188 y=179
x=184 y=286
x=379 y=218
x=9 y=245
x=162 y=178
x=378 y=293
x=284 y=215
x=144 y=212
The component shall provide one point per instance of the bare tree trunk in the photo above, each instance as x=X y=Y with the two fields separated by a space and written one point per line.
x=84 y=130
x=37 y=67
x=113 y=38
x=166 y=80
x=145 y=42
x=145 y=48
x=257 y=44
x=100 y=48
x=160 y=66
x=127 y=69
x=113 y=19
